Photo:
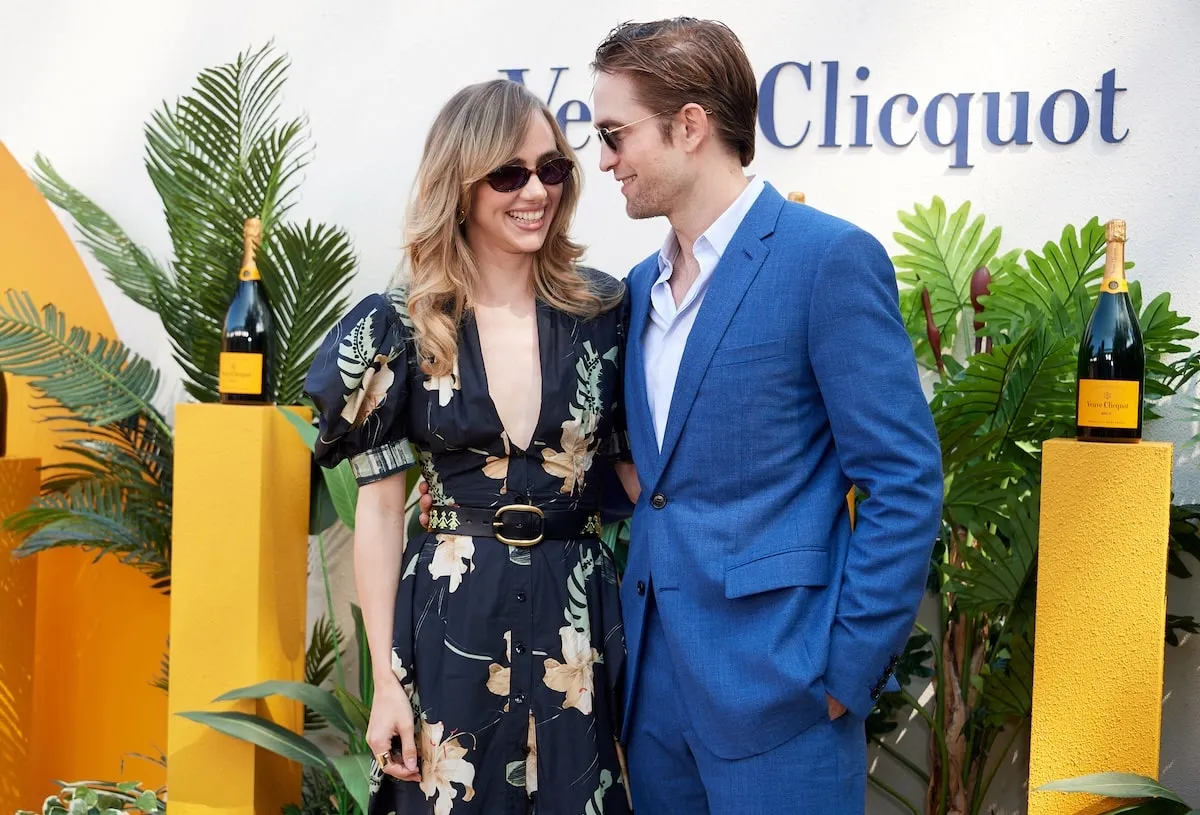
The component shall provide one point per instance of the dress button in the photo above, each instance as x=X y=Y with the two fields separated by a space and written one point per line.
x=519 y=647
x=520 y=597
x=658 y=501
x=641 y=588
x=519 y=698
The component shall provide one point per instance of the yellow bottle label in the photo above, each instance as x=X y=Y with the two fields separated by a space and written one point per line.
x=240 y=373
x=249 y=273
x=1111 y=403
x=1114 y=285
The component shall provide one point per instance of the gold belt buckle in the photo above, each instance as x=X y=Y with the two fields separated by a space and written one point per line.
x=499 y=524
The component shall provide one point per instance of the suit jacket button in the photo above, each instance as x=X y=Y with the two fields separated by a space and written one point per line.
x=658 y=501
x=641 y=588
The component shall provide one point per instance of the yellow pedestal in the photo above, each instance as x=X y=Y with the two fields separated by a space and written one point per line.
x=19 y=484
x=1101 y=605
x=237 y=600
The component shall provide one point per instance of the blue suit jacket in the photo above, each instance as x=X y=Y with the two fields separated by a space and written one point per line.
x=798 y=380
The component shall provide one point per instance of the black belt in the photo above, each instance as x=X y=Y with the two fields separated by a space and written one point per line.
x=515 y=524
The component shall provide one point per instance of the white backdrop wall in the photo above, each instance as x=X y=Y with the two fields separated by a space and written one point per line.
x=79 y=79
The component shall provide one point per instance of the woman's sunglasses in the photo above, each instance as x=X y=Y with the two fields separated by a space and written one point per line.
x=513 y=177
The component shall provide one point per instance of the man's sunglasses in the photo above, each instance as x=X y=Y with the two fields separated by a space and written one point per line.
x=513 y=177
x=606 y=133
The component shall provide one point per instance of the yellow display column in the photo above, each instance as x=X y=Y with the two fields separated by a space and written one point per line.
x=1101 y=606
x=237 y=600
x=19 y=484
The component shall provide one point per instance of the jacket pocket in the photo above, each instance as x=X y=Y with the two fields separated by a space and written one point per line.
x=787 y=569
x=747 y=353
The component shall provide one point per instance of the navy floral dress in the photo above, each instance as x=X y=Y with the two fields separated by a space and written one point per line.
x=511 y=655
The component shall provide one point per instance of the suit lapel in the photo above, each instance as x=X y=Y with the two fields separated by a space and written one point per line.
x=734 y=273
x=637 y=403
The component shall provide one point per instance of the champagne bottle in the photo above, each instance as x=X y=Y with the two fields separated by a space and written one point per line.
x=1112 y=360
x=245 y=368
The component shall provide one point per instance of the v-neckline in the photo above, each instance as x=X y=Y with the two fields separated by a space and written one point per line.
x=540 y=321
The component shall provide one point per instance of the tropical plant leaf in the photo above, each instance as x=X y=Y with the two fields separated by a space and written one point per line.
x=981 y=494
x=366 y=679
x=943 y=252
x=1048 y=284
x=133 y=451
x=97 y=515
x=997 y=573
x=263 y=733
x=322 y=701
x=98 y=381
x=358 y=713
x=355 y=771
x=340 y=481
x=163 y=680
x=323 y=646
x=1113 y=785
x=1163 y=335
x=306 y=272
x=1007 y=682
x=125 y=263
x=1183 y=538
x=1153 y=806
x=1019 y=393
x=217 y=157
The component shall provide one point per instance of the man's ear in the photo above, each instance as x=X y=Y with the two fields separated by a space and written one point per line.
x=695 y=124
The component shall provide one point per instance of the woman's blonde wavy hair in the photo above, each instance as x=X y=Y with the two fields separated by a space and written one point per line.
x=480 y=129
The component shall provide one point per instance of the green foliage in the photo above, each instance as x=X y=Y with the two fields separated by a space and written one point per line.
x=218 y=155
x=1000 y=390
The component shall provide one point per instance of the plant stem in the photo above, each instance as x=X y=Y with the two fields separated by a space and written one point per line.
x=897 y=796
x=940 y=698
x=922 y=712
x=898 y=756
x=337 y=650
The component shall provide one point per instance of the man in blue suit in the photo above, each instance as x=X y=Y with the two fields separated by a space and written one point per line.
x=768 y=370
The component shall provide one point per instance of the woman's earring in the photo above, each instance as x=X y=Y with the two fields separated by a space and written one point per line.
x=462 y=217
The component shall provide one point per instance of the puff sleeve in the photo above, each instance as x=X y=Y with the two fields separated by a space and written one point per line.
x=359 y=383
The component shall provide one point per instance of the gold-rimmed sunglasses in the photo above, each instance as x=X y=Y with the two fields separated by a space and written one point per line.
x=606 y=133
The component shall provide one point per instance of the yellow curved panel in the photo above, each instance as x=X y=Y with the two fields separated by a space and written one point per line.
x=101 y=630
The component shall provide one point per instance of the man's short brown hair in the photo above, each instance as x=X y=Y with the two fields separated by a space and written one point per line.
x=682 y=60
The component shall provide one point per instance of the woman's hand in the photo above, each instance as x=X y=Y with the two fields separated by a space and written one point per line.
x=392 y=715
x=629 y=480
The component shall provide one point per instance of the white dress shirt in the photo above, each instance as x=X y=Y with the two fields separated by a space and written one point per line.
x=666 y=332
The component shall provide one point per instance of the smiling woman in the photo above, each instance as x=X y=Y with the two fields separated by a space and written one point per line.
x=500 y=362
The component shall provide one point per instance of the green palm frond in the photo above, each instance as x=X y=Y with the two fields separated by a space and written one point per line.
x=133 y=451
x=306 y=271
x=124 y=262
x=101 y=516
x=324 y=644
x=217 y=157
x=943 y=251
x=163 y=680
x=98 y=381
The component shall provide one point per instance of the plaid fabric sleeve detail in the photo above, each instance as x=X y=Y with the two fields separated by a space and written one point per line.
x=378 y=463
